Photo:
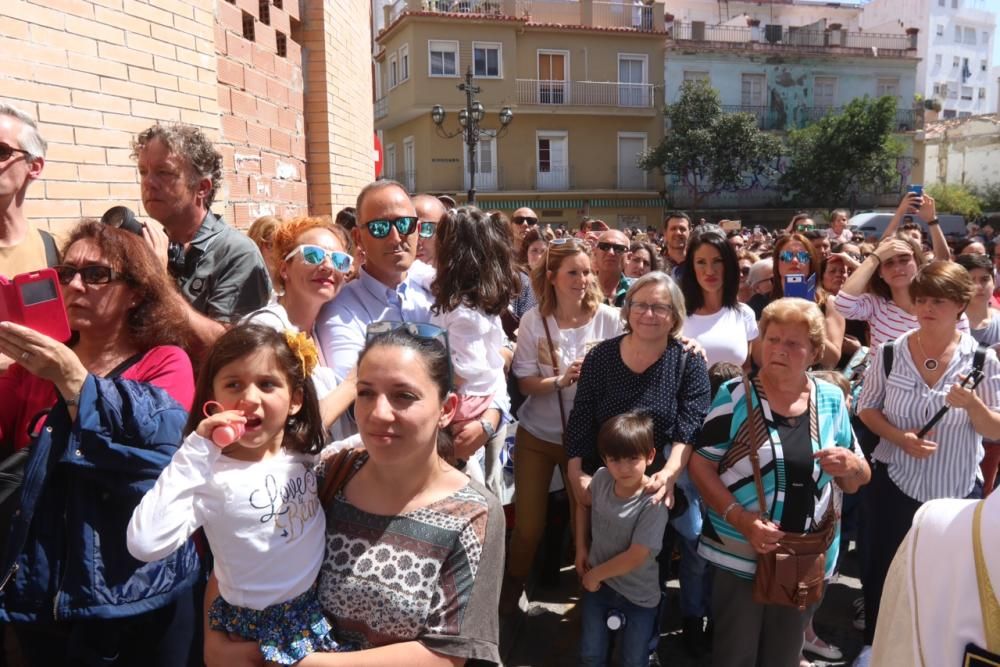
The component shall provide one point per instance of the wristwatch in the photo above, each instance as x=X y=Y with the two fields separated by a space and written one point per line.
x=488 y=428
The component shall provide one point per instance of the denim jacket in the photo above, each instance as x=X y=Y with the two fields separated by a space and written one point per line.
x=66 y=555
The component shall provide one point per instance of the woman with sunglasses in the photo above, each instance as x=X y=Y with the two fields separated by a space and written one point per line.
x=103 y=415
x=553 y=339
x=311 y=259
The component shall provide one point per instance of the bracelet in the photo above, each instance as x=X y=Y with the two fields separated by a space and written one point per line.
x=558 y=386
x=933 y=221
x=877 y=258
x=729 y=508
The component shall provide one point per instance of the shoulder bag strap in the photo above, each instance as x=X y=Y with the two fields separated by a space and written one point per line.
x=753 y=423
x=555 y=368
x=987 y=598
x=338 y=470
x=888 y=352
x=51 y=252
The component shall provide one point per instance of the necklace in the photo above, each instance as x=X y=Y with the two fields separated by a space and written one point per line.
x=930 y=363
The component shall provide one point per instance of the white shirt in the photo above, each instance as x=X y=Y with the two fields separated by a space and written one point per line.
x=263 y=520
x=539 y=414
x=475 y=340
x=725 y=335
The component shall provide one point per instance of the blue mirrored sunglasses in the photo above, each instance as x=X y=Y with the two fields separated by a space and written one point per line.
x=314 y=254
x=427 y=229
x=380 y=228
x=421 y=330
x=788 y=255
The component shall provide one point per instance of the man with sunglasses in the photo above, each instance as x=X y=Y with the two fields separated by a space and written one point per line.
x=523 y=219
x=218 y=269
x=23 y=247
x=610 y=257
x=429 y=211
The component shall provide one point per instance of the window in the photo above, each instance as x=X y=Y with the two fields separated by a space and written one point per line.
x=887 y=87
x=393 y=72
x=390 y=161
x=553 y=77
x=404 y=62
x=966 y=93
x=948 y=113
x=986 y=37
x=954 y=4
x=937 y=60
x=409 y=165
x=940 y=3
x=696 y=76
x=955 y=62
x=964 y=114
x=940 y=30
x=970 y=35
x=982 y=65
x=552 y=160
x=825 y=91
x=752 y=90
x=487 y=60
x=982 y=93
x=486 y=166
x=443 y=59
x=632 y=88
x=631 y=145
x=958 y=34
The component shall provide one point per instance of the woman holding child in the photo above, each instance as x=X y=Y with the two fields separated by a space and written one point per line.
x=809 y=444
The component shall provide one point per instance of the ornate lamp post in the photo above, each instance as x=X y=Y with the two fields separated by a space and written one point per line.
x=469 y=119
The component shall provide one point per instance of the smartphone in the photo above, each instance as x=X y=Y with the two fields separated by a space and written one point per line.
x=916 y=189
x=797 y=285
x=34 y=300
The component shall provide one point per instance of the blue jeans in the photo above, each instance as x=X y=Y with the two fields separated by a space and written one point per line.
x=595 y=635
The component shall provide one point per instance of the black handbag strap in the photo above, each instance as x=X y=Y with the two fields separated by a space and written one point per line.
x=555 y=369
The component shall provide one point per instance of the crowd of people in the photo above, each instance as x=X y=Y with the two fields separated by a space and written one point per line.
x=288 y=446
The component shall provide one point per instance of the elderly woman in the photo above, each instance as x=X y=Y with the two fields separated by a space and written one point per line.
x=553 y=339
x=647 y=369
x=414 y=547
x=902 y=390
x=810 y=444
x=103 y=417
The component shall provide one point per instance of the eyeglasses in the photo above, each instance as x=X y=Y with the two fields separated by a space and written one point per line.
x=381 y=228
x=420 y=330
x=524 y=219
x=801 y=255
x=314 y=254
x=427 y=229
x=616 y=248
x=96 y=274
x=658 y=309
x=6 y=151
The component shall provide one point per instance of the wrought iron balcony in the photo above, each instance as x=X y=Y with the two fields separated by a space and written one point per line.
x=382 y=107
x=779 y=37
x=585 y=93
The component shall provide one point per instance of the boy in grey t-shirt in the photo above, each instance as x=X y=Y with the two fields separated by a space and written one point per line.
x=619 y=569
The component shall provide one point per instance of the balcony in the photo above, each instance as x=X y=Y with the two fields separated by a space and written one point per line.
x=585 y=93
x=553 y=177
x=621 y=14
x=769 y=118
x=382 y=107
x=772 y=38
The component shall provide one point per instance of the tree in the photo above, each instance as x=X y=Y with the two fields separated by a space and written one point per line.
x=708 y=149
x=955 y=199
x=834 y=159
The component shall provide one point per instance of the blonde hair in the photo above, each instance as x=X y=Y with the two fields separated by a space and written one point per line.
x=792 y=311
x=541 y=281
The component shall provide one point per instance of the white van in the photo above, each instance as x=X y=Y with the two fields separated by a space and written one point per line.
x=873 y=224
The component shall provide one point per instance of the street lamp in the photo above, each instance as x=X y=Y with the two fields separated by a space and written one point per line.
x=468 y=120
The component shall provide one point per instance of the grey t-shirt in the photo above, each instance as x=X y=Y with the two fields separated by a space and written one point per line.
x=618 y=523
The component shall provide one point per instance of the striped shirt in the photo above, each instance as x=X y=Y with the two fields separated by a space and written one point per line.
x=886 y=320
x=723 y=545
x=908 y=403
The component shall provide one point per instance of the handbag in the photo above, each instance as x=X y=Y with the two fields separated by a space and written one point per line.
x=793 y=574
x=338 y=469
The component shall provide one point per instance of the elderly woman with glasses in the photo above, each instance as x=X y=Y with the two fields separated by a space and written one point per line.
x=311 y=259
x=103 y=415
x=553 y=339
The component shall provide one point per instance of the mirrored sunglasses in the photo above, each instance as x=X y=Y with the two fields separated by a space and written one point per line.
x=427 y=229
x=801 y=255
x=314 y=254
x=380 y=228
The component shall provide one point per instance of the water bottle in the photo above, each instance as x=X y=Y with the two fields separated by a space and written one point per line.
x=615 y=619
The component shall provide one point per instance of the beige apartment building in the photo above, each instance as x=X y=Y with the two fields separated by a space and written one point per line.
x=584 y=81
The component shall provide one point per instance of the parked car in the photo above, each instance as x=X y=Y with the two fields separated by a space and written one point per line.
x=873 y=224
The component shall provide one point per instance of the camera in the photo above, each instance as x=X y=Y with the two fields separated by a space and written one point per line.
x=122 y=217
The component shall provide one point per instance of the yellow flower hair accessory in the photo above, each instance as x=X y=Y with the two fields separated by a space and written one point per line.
x=305 y=349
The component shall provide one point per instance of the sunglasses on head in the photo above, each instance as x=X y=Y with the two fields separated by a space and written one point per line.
x=427 y=229
x=381 y=228
x=616 y=248
x=6 y=151
x=524 y=219
x=314 y=254
x=96 y=274
x=419 y=330
x=787 y=255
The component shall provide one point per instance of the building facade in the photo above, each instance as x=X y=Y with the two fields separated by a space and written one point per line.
x=962 y=151
x=955 y=46
x=583 y=79
x=95 y=73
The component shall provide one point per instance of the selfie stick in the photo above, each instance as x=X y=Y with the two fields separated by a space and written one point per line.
x=976 y=376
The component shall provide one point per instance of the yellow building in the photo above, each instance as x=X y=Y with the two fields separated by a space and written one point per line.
x=583 y=79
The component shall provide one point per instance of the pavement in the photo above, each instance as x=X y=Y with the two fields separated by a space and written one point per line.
x=547 y=632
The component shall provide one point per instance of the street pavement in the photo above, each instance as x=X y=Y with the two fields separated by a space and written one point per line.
x=547 y=634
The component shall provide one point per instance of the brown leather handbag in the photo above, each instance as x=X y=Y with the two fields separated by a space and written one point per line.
x=792 y=575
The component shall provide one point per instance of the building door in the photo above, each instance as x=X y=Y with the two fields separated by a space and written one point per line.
x=552 y=166
x=630 y=146
x=752 y=92
x=409 y=165
x=632 y=89
x=553 y=77
x=486 y=165
x=825 y=92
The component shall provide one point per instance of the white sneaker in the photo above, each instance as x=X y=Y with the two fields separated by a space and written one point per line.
x=864 y=658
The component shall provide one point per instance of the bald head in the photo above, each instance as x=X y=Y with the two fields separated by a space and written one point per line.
x=428 y=207
x=611 y=261
x=523 y=219
x=429 y=212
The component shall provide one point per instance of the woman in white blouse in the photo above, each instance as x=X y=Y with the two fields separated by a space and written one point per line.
x=570 y=315
x=926 y=373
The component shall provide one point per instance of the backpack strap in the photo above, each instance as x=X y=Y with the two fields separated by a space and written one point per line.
x=979 y=358
x=888 y=352
x=51 y=252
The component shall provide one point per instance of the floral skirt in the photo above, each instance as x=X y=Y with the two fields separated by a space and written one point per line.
x=286 y=632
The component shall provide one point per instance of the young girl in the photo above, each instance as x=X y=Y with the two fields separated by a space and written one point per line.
x=475 y=282
x=256 y=498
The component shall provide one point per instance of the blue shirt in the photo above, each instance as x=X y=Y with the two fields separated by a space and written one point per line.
x=342 y=322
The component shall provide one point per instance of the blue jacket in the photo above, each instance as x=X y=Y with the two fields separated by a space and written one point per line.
x=66 y=555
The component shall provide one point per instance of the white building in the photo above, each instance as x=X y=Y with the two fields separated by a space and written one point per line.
x=960 y=152
x=955 y=45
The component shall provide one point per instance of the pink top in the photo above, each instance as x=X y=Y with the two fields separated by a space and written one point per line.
x=886 y=320
x=165 y=366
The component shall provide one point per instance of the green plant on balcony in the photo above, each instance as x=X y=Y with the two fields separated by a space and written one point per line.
x=932 y=104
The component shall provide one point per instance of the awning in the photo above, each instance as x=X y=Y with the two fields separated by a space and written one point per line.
x=513 y=204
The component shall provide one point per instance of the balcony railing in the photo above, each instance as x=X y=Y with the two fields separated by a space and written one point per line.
x=791 y=37
x=552 y=177
x=769 y=118
x=596 y=13
x=585 y=93
x=382 y=107
x=486 y=181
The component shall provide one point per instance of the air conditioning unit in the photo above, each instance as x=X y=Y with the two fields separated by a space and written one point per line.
x=772 y=33
x=698 y=31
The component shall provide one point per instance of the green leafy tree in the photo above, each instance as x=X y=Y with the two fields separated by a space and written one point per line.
x=831 y=161
x=955 y=199
x=707 y=149
x=989 y=196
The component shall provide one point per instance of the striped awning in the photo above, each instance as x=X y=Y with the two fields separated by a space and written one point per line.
x=514 y=204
